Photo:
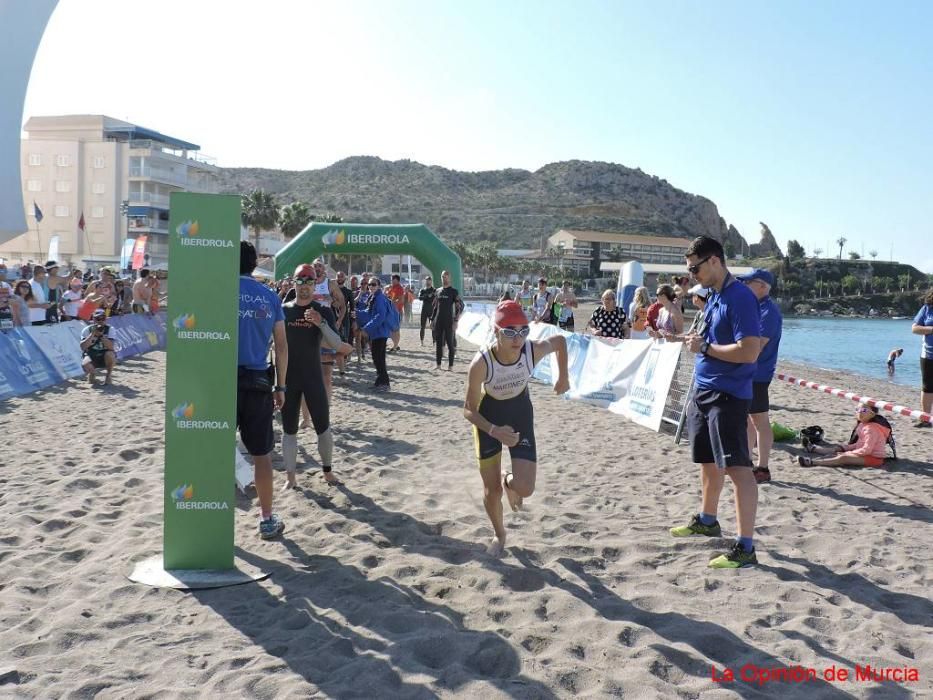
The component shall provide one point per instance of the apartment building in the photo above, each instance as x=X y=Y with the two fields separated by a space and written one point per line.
x=118 y=175
x=594 y=246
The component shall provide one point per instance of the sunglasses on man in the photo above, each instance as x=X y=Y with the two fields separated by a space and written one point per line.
x=515 y=332
x=300 y=281
x=693 y=269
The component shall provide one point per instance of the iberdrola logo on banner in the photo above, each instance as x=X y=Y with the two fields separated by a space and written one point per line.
x=189 y=235
x=183 y=497
x=184 y=419
x=186 y=328
x=335 y=237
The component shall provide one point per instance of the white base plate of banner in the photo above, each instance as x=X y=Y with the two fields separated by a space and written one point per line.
x=245 y=473
x=151 y=572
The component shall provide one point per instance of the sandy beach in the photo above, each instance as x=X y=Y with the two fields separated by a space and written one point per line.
x=380 y=587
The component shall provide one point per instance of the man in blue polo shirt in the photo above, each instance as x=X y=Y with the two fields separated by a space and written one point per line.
x=759 y=422
x=727 y=346
x=261 y=319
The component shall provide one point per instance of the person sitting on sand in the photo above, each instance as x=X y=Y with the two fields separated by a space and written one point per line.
x=868 y=450
x=892 y=356
x=499 y=407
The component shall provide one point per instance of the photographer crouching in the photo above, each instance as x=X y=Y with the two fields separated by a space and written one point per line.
x=97 y=347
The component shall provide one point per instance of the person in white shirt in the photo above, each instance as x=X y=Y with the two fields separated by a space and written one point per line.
x=40 y=296
x=71 y=299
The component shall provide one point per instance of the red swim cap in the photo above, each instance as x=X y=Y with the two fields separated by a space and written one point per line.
x=510 y=313
x=304 y=270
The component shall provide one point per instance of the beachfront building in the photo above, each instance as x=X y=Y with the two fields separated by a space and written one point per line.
x=117 y=175
x=592 y=247
x=656 y=273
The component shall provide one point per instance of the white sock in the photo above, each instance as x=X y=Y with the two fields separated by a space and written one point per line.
x=290 y=452
x=325 y=446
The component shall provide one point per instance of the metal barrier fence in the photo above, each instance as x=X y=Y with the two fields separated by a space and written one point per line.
x=680 y=393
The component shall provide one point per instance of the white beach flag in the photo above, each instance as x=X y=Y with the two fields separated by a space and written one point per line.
x=53 y=248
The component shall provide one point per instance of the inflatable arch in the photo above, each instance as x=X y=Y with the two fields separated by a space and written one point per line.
x=370 y=239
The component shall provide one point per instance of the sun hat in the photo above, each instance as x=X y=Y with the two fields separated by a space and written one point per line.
x=698 y=290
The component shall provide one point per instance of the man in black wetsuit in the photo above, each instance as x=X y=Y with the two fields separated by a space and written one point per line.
x=426 y=295
x=447 y=309
x=306 y=324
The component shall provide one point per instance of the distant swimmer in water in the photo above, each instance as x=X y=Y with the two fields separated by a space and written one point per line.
x=892 y=356
x=499 y=407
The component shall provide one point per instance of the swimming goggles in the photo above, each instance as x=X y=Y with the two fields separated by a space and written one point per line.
x=513 y=333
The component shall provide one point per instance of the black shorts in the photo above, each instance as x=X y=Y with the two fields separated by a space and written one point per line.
x=717 y=424
x=98 y=360
x=567 y=324
x=926 y=375
x=516 y=412
x=761 y=403
x=254 y=411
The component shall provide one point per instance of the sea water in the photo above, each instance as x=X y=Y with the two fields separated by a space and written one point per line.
x=856 y=345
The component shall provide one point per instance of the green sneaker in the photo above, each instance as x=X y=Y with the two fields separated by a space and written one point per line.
x=735 y=558
x=695 y=527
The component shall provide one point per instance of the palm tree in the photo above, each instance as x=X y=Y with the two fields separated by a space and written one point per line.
x=488 y=257
x=466 y=255
x=293 y=218
x=841 y=242
x=873 y=254
x=817 y=252
x=259 y=211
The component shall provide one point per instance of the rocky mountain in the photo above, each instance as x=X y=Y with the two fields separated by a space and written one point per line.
x=514 y=208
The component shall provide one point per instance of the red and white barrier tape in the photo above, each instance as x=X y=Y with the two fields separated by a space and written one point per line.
x=867 y=400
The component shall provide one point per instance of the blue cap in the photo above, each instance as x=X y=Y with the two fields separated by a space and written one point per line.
x=757 y=274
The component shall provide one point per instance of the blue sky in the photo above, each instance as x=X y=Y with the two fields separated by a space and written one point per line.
x=812 y=117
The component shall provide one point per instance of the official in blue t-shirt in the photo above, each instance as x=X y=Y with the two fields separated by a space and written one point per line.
x=923 y=325
x=727 y=346
x=759 y=422
x=261 y=321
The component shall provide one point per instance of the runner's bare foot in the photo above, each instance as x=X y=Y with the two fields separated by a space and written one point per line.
x=291 y=482
x=330 y=478
x=496 y=547
x=515 y=501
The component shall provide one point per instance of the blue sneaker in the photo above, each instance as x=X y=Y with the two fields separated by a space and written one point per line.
x=271 y=528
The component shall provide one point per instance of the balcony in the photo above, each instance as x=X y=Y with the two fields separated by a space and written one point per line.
x=159 y=174
x=143 y=225
x=159 y=200
x=194 y=159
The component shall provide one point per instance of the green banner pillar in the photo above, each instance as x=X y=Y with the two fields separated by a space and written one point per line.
x=200 y=392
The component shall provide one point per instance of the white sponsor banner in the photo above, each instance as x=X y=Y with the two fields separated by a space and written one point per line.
x=475 y=327
x=629 y=377
x=61 y=344
x=648 y=386
x=416 y=307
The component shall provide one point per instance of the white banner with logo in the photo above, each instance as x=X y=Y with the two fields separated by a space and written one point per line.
x=61 y=344
x=629 y=377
